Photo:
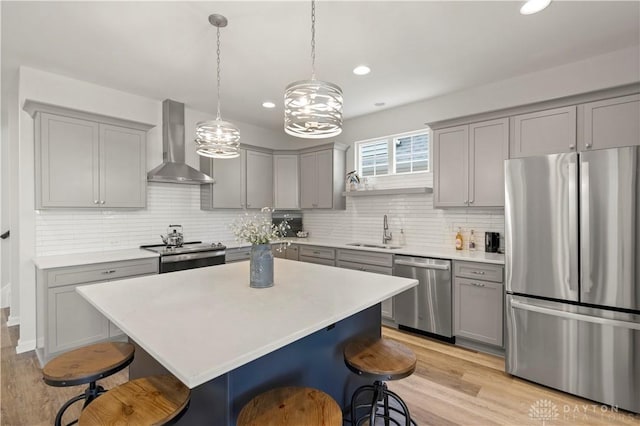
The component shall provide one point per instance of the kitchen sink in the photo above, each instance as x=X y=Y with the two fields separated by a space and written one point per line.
x=380 y=246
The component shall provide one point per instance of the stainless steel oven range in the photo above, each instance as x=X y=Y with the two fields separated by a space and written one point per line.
x=188 y=256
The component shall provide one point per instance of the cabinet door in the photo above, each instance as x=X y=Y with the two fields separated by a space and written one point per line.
x=123 y=172
x=488 y=148
x=229 y=176
x=259 y=180
x=544 y=132
x=292 y=252
x=324 y=165
x=308 y=181
x=72 y=321
x=611 y=123
x=67 y=152
x=285 y=181
x=478 y=310
x=451 y=164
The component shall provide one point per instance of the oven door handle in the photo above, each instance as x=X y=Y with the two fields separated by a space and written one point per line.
x=190 y=256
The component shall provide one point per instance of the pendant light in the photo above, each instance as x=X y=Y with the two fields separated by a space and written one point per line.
x=313 y=108
x=217 y=138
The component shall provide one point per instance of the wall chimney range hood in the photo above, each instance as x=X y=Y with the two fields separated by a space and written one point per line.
x=173 y=168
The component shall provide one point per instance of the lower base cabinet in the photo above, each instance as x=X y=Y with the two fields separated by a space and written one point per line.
x=65 y=320
x=319 y=255
x=479 y=303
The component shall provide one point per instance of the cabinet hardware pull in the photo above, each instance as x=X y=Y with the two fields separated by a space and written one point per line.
x=572 y=146
x=95 y=201
x=477 y=284
x=588 y=145
x=110 y=271
x=471 y=202
x=477 y=272
x=102 y=202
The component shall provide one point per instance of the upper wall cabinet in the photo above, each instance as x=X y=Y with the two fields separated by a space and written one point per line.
x=469 y=164
x=322 y=178
x=544 y=132
x=285 y=181
x=86 y=160
x=610 y=123
x=242 y=182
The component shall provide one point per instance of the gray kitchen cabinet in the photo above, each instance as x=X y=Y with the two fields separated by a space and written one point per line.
x=322 y=178
x=84 y=162
x=238 y=254
x=285 y=181
x=379 y=263
x=543 y=132
x=610 y=123
x=469 y=164
x=259 y=179
x=283 y=251
x=242 y=182
x=316 y=254
x=478 y=303
x=65 y=320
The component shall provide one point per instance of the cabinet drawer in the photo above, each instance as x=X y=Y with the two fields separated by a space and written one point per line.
x=364 y=267
x=101 y=272
x=321 y=252
x=238 y=254
x=368 y=257
x=318 y=260
x=479 y=271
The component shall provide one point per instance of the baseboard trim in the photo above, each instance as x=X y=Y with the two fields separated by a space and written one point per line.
x=25 y=346
x=11 y=321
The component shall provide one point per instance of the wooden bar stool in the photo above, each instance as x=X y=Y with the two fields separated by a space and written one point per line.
x=86 y=365
x=379 y=359
x=153 y=400
x=291 y=406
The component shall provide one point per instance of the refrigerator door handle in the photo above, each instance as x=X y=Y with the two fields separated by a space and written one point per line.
x=572 y=188
x=585 y=238
x=572 y=315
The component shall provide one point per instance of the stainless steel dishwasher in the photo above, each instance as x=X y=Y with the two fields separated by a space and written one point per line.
x=426 y=307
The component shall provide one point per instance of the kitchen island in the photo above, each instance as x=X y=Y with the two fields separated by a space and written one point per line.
x=229 y=342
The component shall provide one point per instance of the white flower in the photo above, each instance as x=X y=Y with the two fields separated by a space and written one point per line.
x=258 y=229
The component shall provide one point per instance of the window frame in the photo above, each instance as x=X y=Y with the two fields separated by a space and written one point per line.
x=391 y=152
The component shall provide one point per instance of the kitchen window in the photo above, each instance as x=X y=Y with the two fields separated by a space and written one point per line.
x=394 y=155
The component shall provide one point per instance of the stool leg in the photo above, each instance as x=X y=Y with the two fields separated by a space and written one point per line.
x=386 y=408
x=58 y=420
x=405 y=412
x=377 y=395
x=354 y=397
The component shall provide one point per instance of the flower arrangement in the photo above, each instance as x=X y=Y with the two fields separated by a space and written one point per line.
x=257 y=228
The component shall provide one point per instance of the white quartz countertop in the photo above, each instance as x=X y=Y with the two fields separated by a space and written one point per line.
x=442 y=253
x=88 y=258
x=202 y=323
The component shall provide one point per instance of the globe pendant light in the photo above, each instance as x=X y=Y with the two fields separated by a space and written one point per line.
x=313 y=108
x=217 y=138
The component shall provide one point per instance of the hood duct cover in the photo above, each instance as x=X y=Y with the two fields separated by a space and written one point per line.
x=173 y=168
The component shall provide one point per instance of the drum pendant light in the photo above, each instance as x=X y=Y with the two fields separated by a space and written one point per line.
x=313 y=108
x=217 y=138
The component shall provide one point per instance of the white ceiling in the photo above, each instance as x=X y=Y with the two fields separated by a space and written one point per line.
x=416 y=50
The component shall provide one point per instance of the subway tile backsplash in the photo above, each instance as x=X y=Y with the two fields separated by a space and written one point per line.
x=61 y=231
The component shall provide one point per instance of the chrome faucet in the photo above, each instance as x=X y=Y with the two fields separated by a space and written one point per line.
x=386 y=237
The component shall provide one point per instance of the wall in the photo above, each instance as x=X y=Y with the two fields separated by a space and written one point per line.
x=63 y=91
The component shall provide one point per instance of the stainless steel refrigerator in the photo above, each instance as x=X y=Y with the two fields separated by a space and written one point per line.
x=572 y=239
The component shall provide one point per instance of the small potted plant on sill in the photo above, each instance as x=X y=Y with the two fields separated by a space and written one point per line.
x=258 y=230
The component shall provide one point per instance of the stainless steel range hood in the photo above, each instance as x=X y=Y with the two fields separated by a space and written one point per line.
x=173 y=168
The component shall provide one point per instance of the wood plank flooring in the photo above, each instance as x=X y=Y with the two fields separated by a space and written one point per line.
x=451 y=386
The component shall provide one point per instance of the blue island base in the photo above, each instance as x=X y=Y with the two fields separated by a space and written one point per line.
x=314 y=361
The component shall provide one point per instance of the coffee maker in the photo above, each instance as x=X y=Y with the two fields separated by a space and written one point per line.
x=491 y=242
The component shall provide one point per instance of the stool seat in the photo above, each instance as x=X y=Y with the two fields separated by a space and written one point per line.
x=153 y=400
x=379 y=358
x=88 y=364
x=291 y=406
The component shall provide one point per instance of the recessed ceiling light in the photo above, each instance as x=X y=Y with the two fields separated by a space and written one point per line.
x=361 y=70
x=379 y=104
x=268 y=104
x=534 y=6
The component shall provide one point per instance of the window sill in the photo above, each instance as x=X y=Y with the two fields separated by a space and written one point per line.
x=391 y=191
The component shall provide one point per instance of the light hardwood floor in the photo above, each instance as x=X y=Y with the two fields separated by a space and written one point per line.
x=451 y=386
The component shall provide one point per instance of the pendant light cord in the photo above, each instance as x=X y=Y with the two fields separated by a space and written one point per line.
x=218 y=54
x=313 y=40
